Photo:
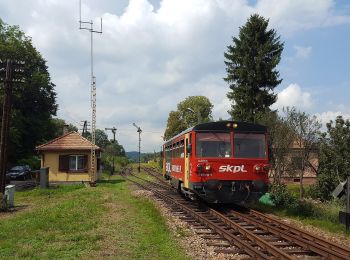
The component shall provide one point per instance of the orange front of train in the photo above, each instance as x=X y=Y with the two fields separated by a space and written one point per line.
x=229 y=162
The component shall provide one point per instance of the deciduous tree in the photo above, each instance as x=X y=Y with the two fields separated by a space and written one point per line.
x=334 y=157
x=191 y=111
x=34 y=102
x=195 y=109
x=306 y=131
x=281 y=138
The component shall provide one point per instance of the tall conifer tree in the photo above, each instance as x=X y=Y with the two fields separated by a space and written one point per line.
x=251 y=69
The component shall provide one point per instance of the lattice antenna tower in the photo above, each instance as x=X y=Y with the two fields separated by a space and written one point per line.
x=89 y=26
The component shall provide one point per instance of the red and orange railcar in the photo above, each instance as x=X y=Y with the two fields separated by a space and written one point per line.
x=220 y=162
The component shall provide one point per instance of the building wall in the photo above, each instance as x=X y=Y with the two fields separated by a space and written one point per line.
x=51 y=160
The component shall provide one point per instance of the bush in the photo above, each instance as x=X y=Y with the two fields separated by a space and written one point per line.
x=281 y=196
x=106 y=161
x=303 y=208
x=34 y=162
x=323 y=188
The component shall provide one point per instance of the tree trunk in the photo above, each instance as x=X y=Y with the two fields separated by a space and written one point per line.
x=301 y=179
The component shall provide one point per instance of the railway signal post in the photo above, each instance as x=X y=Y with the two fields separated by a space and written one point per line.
x=139 y=131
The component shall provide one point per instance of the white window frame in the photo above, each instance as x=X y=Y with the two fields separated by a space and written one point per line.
x=76 y=162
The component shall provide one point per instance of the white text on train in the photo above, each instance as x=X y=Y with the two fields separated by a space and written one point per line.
x=176 y=168
x=232 y=168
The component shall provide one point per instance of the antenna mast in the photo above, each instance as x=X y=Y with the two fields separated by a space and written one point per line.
x=89 y=26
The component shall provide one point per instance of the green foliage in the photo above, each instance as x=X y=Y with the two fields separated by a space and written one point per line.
x=160 y=163
x=303 y=208
x=201 y=107
x=323 y=215
x=101 y=138
x=70 y=222
x=281 y=196
x=107 y=162
x=191 y=111
x=280 y=139
x=175 y=125
x=334 y=157
x=34 y=102
x=306 y=138
x=115 y=149
x=34 y=162
x=58 y=126
x=250 y=65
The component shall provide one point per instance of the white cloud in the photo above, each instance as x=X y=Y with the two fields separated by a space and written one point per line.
x=303 y=52
x=150 y=58
x=292 y=16
x=326 y=116
x=293 y=95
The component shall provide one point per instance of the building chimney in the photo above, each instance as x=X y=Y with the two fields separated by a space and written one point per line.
x=65 y=129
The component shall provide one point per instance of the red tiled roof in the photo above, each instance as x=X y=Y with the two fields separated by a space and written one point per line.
x=69 y=141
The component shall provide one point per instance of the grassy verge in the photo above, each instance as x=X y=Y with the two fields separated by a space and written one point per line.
x=321 y=215
x=79 y=222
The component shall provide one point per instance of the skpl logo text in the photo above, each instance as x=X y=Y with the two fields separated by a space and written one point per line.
x=232 y=168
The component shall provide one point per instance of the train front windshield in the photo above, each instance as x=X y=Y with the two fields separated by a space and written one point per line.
x=216 y=145
x=213 y=145
x=249 y=146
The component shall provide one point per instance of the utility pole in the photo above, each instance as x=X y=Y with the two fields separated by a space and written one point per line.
x=113 y=129
x=90 y=28
x=84 y=129
x=139 y=131
x=9 y=67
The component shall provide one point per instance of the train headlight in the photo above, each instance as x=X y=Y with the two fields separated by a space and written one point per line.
x=257 y=168
x=207 y=167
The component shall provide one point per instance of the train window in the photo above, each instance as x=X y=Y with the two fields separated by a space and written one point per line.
x=178 y=150
x=249 y=145
x=213 y=145
x=182 y=149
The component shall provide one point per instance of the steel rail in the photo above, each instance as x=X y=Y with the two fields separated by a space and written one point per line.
x=304 y=236
x=251 y=236
x=232 y=238
x=294 y=235
x=320 y=250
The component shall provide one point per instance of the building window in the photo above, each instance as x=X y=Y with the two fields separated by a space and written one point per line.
x=76 y=162
x=73 y=163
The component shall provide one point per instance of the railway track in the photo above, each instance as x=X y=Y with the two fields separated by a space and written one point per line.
x=249 y=232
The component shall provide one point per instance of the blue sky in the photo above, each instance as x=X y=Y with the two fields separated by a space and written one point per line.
x=326 y=67
x=153 y=54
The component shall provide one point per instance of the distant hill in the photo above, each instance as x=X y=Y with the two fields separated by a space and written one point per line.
x=134 y=156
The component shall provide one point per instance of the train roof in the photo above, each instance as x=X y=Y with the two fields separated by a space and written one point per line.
x=223 y=126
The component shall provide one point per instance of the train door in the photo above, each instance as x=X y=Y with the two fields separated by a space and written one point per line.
x=187 y=161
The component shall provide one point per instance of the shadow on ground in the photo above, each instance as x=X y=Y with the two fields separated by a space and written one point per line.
x=111 y=181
